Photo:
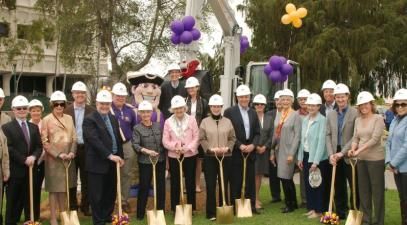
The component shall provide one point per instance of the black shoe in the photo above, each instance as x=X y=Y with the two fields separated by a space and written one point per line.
x=287 y=210
x=275 y=200
x=255 y=211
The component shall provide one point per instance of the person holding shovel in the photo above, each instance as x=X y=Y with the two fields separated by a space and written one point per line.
x=367 y=148
x=147 y=143
x=181 y=138
x=217 y=137
x=396 y=149
x=59 y=140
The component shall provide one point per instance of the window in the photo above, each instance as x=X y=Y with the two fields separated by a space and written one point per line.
x=4 y=29
x=10 y=4
x=22 y=31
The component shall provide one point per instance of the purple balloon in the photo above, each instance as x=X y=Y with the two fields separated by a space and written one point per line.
x=275 y=75
x=175 y=39
x=267 y=69
x=245 y=43
x=186 y=37
x=189 y=22
x=286 y=69
x=275 y=62
x=283 y=59
x=283 y=78
x=177 y=27
x=243 y=37
x=196 y=34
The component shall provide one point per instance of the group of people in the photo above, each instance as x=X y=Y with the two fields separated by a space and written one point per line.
x=317 y=137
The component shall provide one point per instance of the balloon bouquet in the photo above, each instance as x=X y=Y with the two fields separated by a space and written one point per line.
x=278 y=70
x=244 y=44
x=183 y=31
x=293 y=15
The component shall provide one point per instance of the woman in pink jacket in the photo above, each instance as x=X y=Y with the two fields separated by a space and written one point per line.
x=181 y=139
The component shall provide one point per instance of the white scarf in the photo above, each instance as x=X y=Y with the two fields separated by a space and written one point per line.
x=179 y=127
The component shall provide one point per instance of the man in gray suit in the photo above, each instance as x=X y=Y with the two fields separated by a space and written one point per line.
x=339 y=133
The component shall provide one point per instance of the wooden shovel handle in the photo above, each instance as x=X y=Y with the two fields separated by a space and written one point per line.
x=352 y=162
x=331 y=196
x=118 y=187
x=30 y=171
x=180 y=160
x=222 y=185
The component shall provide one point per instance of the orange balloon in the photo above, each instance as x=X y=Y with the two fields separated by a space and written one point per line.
x=302 y=12
x=294 y=15
x=290 y=8
x=297 y=23
x=286 y=19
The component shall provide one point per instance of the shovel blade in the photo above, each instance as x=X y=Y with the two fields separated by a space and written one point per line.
x=243 y=208
x=73 y=217
x=224 y=215
x=354 y=217
x=155 y=217
x=65 y=220
x=183 y=215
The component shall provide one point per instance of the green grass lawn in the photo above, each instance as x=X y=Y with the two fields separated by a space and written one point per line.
x=272 y=215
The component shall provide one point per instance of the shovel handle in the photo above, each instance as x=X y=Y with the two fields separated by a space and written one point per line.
x=353 y=162
x=331 y=196
x=154 y=161
x=222 y=185
x=30 y=171
x=118 y=189
x=245 y=156
x=180 y=160
x=67 y=165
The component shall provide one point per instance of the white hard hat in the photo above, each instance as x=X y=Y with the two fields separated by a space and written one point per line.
x=364 y=97
x=287 y=92
x=400 y=95
x=341 y=89
x=191 y=82
x=119 y=89
x=243 y=90
x=277 y=94
x=314 y=99
x=57 y=96
x=35 y=102
x=303 y=93
x=19 y=101
x=315 y=178
x=145 y=105
x=177 y=101
x=261 y=99
x=328 y=84
x=215 y=100
x=173 y=66
x=78 y=86
x=2 y=93
x=104 y=96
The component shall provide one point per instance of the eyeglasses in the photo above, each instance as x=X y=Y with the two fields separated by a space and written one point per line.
x=21 y=108
x=59 y=104
x=402 y=105
x=256 y=104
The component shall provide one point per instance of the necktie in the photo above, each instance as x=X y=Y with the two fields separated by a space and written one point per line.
x=25 y=132
x=110 y=130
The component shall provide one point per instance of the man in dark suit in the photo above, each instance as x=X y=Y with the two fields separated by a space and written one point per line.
x=247 y=129
x=329 y=101
x=103 y=152
x=175 y=86
x=24 y=145
x=78 y=110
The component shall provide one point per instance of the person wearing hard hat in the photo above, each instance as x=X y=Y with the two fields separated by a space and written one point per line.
x=389 y=114
x=78 y=110
x=24 y=145
x=4 y=118
x=35 y=108
x=181 y=139
x=396 y=150
x=147 y=136
x=286 y=140
x=367 y=149
x=103 y=153
x=302 y=96
x=59 y=140
x=217 y=137
x=127 y=119
x=198 y=108
x=312 y=156
x=329 y=101
x=175 y=86
x=266 y=121
x=247 y=129
x=339 y=133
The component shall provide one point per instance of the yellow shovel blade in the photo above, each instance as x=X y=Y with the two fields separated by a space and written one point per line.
x=243 y=208
x=65 y=220
x=183 y=214
x=155 y=217
x=224 y=214
x=73 y=217
x=354 y=217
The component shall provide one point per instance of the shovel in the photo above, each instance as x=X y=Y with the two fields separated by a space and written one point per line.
x=224 y=213
x=355 y=216
x=155 y=217
x=31 y=222
x=243 y=206
x=183 y=212
x=120 y=218
x=68 y=217
x=330 y=217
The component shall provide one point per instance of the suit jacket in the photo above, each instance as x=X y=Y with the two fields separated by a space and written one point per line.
x=347 y=130
x=167 y=94
x=98 y=142
x=323 y=107
x=71 y=111
x=267 y=131
x=18 y=148
x=233 y=113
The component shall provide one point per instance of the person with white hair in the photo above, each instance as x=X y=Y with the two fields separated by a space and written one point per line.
x=4 y=118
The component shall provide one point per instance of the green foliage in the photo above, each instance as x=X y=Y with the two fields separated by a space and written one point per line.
x=343 y=40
